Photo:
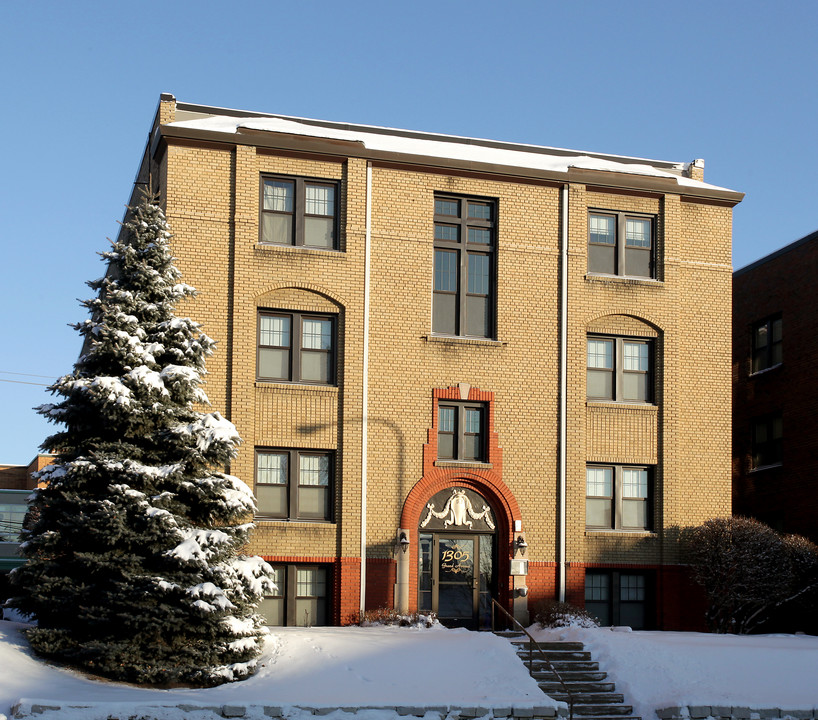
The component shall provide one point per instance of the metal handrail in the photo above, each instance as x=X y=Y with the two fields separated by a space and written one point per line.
x=531 y=644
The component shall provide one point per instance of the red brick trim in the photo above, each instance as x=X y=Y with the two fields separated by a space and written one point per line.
x=679 y=603
x=346 y=583
x=381 y=575
x=306 y=559
x=485 y=480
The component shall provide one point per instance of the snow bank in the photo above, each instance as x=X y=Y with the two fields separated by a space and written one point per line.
x=663 y=669
x=391 y=666
x=313 y=667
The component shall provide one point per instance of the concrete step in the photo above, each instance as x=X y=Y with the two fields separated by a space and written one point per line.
x=589 y=698
x=556 y=654
x=568 y=666
x=554 y=686
x=581 y=665
x=571 y=675
x=602 y=710
x=558 y=646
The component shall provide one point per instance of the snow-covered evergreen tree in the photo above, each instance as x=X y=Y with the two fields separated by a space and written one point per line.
x=133 y=565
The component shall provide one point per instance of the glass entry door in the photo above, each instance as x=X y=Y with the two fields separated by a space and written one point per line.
x=455 y=578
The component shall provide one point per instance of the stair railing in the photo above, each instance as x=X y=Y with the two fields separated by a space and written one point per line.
x=532 y=643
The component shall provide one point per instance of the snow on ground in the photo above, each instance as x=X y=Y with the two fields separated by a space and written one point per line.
x=315 y=667
x=665 y=669
x=390 y=666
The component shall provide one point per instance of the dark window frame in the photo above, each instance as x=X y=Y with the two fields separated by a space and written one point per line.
x=618 y=371
x=618 y=500
x=614 y=602
x=299 y=215
x=770 y=452
x=288 y=595
x=771 y=354
x=460 y=431
x=293 y=485
x=621 y=248
x=463 y=248
x=295 y=347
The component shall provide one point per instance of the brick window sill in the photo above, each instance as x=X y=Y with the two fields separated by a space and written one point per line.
x=296 y=387
x=762 y=468
x=292 y=522
x=608 y=405
x=623 y=279
x=593 y=532
x=463 y=464
x=764 y=371
x=458 y=340
x=299 y=250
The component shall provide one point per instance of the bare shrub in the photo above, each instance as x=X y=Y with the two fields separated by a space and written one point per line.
x=390 y=616
x=554 y=614
x=748 y=570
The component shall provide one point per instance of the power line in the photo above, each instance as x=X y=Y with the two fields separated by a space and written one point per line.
x=9 y=372
x=23 y=382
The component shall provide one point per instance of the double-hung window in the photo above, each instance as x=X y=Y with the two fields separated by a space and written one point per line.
x=619 y=597
x=619 y=369
x=294 y=484
x=461 y=432
x=621 y=244
x=618 y=497
x=767 y=344
x=767 y=441
x=301 y=597
x=296 y=347
x=463 y=302
x=299 y=211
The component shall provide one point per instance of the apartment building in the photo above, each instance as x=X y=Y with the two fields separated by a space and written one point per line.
x=775 y=392
x=464 y=371
x=16 y=484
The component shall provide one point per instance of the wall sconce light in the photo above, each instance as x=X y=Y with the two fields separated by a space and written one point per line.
x=403 y=540
x=521 y=591
x=521 y=544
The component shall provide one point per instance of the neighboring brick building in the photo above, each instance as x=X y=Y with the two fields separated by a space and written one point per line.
x=775 y=389
x=16 y=484
x=390 y=308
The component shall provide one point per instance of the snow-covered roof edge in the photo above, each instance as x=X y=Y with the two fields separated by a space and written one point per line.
x=476 y=153
x=206 y=110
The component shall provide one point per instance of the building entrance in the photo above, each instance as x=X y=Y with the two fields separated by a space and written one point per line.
x=456 y=566
x=456 y=578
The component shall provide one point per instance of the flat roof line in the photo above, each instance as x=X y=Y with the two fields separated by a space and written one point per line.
x=421 y=135
x=777 y=253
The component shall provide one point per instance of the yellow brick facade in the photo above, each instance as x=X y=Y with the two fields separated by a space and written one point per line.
x=382 y=431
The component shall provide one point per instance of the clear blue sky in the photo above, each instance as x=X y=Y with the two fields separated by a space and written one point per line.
x=731 y=82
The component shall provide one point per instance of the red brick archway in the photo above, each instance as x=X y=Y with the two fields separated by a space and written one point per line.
x=503 y=503
x=483 y=478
